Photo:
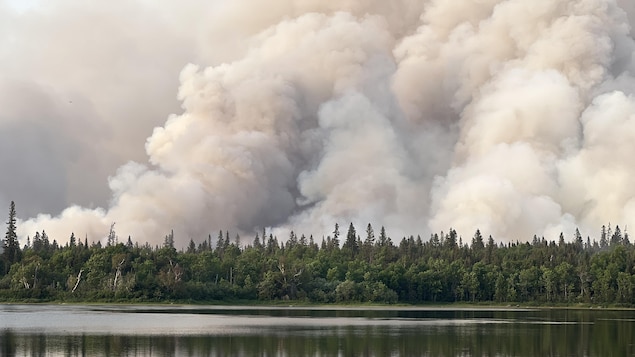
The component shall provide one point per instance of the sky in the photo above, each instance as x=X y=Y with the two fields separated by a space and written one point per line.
x=420 y=116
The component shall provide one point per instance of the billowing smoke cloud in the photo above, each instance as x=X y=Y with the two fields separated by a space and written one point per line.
x=515 y=118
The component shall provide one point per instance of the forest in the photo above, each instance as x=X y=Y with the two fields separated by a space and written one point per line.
x=346 y=266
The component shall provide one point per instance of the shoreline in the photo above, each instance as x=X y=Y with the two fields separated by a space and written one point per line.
x=254 y=305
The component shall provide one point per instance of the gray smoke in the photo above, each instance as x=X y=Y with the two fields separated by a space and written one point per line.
x=513 y=117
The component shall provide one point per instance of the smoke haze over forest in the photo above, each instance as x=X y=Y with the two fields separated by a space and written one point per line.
x=510 y=116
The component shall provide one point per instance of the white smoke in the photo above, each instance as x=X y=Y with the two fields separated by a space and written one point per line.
x=513 y=117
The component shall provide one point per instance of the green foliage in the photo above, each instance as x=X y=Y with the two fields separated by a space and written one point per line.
x=11 y=252
x=372 y=270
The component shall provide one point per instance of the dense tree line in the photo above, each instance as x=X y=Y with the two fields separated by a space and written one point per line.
x=362 y=268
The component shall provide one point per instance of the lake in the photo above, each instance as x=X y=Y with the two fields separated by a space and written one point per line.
x=174 y=330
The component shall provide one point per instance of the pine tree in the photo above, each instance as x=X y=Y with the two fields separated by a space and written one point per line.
x=191 y=248
x=37 y=243
x=477 y=241
x=220 y=242
x=168 y=242
x=351 y=240
x=450 y=239
x=336 y=236
x=11 y=247
x=293 y=240
x=383 y=238
x=616 y=237
x=603 y=238
x=578 y=239
x=112 y=235
x=226 y=242
x=370 y=236
x=257 y=243
x=46 y=244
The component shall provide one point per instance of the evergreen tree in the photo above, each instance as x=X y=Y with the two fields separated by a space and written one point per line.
x=383 y=238
x=168 y=242
x=336 y=236
x=272 y=244
x=293 y=240
x=226 y=242
x=434 y=240
x=450 y=239
x=46 y=244
x=616 y=237
x=477 y=241
x=351 y=240
x=11 y=247
x=257 y=243
x=37 y=243
x=112 y=235
x=191 y=248
x=578 y=239
x=370 y=236
x=220 y=242
x=490 y=248
x=603 y=238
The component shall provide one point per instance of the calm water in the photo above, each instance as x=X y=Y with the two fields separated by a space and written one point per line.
x=67 y=330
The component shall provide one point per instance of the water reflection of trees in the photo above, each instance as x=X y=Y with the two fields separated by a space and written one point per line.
x=541 y=337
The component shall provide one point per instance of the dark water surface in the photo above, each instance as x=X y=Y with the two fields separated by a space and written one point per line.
x=139 y=330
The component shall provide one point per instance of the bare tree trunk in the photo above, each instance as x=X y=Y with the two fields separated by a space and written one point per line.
x=118 y=274
x=25 y=283
x=176 y=270
x=35 y=275
x=79 y=278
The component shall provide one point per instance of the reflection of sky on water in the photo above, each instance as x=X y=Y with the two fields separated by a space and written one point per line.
x=227 y=320
x=171 y=330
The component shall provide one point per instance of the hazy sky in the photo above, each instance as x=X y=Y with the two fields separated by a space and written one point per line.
x=511 y=117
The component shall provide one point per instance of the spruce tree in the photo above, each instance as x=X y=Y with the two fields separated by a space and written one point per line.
x=336 y=236
x=370 y=236
x=351 y=240
x=11 y=247
x=477 y=241
x=616 y=237
x=383 y=238
x=257 y=243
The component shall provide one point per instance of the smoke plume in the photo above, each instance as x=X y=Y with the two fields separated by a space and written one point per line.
x=512 y=117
